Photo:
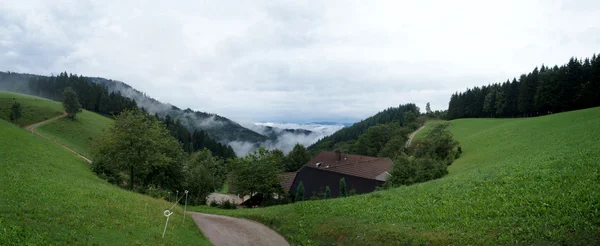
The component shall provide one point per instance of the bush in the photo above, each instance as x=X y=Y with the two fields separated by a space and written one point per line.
x=408 y=170
x=227 y=204
x=352 y=192
x=213 y=203
x=155 y=192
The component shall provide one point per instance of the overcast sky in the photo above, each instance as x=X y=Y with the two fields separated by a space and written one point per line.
x=296 y=62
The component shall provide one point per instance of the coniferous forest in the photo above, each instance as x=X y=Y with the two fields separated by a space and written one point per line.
x=97 y=98
x=545 y=90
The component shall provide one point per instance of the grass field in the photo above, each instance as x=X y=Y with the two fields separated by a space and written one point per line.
x=519 y=181
x=425 y=130
x=34 y=109
x=79 y=134
x=50 y=197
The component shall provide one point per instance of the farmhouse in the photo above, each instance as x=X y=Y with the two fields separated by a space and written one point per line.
x=361 y=173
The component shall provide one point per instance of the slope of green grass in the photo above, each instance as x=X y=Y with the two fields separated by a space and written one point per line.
x=78 y=134
x=519 y=181
x=34 y=109
x=425 y=131
x=48 y=196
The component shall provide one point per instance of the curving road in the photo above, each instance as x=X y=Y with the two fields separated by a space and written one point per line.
x=224 y=230
x=410 y=138
x=32 y=127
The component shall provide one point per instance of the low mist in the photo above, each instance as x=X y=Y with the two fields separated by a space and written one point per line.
x=285 y=141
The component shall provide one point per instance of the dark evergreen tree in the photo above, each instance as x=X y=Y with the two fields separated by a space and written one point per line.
x=575 y=85
x=299 y=192
x=15 y=112
x=343 y=190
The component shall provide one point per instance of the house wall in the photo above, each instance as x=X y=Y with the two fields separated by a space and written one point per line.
x=314 y=179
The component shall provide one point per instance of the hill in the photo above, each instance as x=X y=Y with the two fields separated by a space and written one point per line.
x=344 y=138
x=78 y=134
x=34 y=109
x=49 y=196
x=218 y=127
x=519 y=181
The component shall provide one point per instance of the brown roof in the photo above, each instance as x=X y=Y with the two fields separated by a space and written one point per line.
x=287 y=179
x=356 y=165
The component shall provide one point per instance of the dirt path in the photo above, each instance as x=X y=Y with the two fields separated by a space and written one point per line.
x=223 y=230
x=410 y=138
x=32 y=127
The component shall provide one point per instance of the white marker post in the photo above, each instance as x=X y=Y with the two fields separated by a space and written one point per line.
x=185 y=208
x=168 y=214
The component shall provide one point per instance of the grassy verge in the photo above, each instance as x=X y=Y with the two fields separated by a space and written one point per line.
x=34 y=109
x=78 y=134
x=519 y=181
x=50 y=197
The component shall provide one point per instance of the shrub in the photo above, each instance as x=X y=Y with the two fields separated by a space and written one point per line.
x=227 y=204
x=213 y=203
x=155 y=192
x=408 y=170
x=352 y=192
x=327 y=192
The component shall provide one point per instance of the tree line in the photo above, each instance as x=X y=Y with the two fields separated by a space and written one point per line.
x=545 y=90
x=92 y=97
x=344 y=139
x=96 y=97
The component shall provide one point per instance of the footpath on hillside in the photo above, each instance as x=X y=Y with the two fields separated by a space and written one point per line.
x=410 y=138
x=32 y=127
x=224 y=230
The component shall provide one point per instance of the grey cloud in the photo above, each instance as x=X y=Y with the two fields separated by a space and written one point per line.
x=295 y=61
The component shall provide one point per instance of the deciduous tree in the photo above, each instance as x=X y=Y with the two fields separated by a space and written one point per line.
x=256 y=174
x=71 y=102
x=138 y=145
x=296 y=158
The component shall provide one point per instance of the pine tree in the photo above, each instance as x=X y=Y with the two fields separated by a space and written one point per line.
x=15 y=112
x=489 y=105
x=343 y=190
x=299 y=192
x=327 y=192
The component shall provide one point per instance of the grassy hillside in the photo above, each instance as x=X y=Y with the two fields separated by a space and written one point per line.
x=49 y=196
x=78 y=134
x=425 y=130
x=34 y=109
x=519 y=181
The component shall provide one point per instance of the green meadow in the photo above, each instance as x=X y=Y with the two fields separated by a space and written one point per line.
x=34 y=109
x=78 y=134
x=50 y=197
x=519 y=181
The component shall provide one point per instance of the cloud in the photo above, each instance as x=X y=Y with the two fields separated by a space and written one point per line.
x=296 y=61
x=285 y=140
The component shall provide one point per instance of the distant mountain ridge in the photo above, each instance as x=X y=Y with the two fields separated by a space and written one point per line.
x=218 y=127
